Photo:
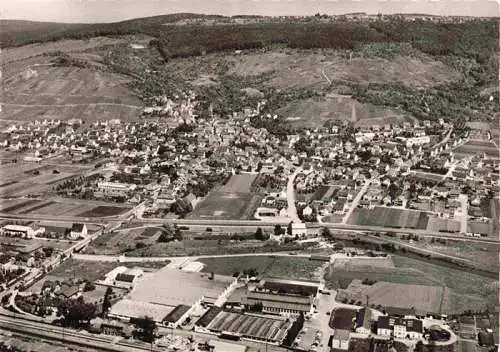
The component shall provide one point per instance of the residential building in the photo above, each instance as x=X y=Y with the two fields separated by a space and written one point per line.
x=78 y=230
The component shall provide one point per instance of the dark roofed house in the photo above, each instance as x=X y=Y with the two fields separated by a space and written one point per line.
x=399 y=312
x=343 y=318
x=124 y=280
x=69 y=291
x=208 y=317
x=78 y=230
x=276 y=303
x=175 y=317
x=486 y=339
x=364 y=320
x=125 y=277
x=304 y=288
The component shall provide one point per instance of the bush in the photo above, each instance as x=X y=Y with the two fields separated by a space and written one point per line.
x=140 y=245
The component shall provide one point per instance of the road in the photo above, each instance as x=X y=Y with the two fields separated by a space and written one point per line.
x=245 y=224
x=290 y=196
x=355 y=201
x=445 y=139
x=115 y=258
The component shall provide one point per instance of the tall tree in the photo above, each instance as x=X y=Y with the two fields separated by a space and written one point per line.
x=145 y=328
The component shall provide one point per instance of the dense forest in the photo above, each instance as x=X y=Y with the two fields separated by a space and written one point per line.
x=473 y=39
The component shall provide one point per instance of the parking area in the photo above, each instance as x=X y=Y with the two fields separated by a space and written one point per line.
x=316 y=332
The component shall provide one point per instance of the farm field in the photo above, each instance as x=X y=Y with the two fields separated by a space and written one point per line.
x=483 y=228
x=324 y=192
x=465 y=290
x=421 y=297
x=485 y=255
x=436 y=224
x=240 y=183
x=24 y=178
x=35 y=88
x=103 y=210
x=227 y=205
x=475 y=147
x=306 y=67
x=316 y=111
x=126 y=241
x=26 y=51
x=389 y=217
x=334 y=218
x=292 y=268
x=117 y=242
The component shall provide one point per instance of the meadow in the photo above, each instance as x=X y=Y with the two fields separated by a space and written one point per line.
x=389 y=217
x=465 y=290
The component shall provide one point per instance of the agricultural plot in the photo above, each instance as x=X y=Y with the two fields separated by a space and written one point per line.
x=389 y=217
x=19 y=206
x=475 y=147
x=71 y=45
x=28 y=178
x=421 y=297
x=81 y=269
x=102 y=211
x=239 y=183
x=324 y=192
x=464 y=290
x=40 y=90
x=483 y=228
x=315 y=112
x=436 y=224
x=363 y=264
x=227 y=205
x=293 y=268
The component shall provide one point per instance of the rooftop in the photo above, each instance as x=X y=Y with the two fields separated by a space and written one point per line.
x=135 y=309
x=173 y=287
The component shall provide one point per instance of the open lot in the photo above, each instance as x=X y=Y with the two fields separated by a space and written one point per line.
x=475 y=147
x=227 y=205
x=117 y=242
x=88 y=270
x=389 y=217
x=421 y=297
x=239 y=183
x=465 y=290
x=289 y=267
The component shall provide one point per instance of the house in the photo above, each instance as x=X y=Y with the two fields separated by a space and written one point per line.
x=364 y=321
x=69 y=291
x=78 y=230
x=299 y=229
x=340 y=339
x=127 y=278
x=307 y=211
x=20 y=231
x=408 y=327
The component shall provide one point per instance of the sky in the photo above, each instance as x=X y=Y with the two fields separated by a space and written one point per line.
x=87 y=11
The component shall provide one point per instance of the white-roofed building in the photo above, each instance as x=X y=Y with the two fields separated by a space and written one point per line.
x=127 y=309
x=20 y=231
